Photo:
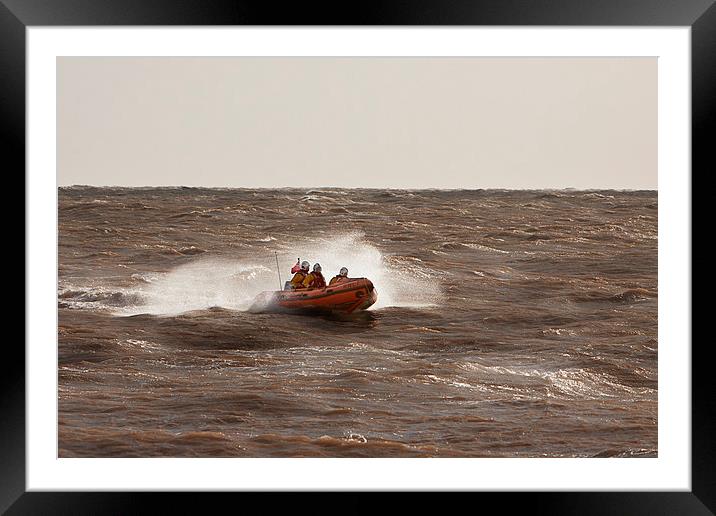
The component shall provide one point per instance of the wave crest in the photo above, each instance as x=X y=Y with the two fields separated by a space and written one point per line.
x=209 y=282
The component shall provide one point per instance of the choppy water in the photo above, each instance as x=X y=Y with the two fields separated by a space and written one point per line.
x=509 y=323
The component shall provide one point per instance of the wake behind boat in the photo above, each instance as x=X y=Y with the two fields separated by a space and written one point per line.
x=345 y=297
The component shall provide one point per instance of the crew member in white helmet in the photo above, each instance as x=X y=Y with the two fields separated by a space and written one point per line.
x=297 y=280
x=315 y=279
x=342 y=276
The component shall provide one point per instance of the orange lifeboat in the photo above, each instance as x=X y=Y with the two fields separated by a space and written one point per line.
x=345 y=297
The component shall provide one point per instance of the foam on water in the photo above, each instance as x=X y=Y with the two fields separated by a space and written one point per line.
x=219 y=282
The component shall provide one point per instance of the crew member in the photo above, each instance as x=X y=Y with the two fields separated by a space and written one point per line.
x=300 y=276
x=342 y=276
x=315 y=279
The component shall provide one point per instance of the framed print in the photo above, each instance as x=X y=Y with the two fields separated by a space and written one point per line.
x=416 y=249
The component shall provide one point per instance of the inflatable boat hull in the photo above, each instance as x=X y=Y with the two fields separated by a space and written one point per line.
x=347 y=297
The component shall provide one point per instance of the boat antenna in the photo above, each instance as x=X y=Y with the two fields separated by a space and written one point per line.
x=278 y=269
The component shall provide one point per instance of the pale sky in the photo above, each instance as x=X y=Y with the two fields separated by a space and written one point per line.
x=358 y=122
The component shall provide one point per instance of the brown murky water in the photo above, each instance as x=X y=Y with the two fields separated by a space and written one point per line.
x=509 y=323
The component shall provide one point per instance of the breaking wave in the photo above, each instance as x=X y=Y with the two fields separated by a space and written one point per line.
x=208 y=282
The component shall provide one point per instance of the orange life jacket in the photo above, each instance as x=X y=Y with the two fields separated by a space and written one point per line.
x=337 y=279
x=316 y=280
x=297 y=280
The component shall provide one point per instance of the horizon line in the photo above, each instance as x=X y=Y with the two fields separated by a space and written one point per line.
x=569 y=188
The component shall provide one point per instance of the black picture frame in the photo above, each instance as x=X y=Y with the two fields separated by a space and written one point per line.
x=700 y=15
